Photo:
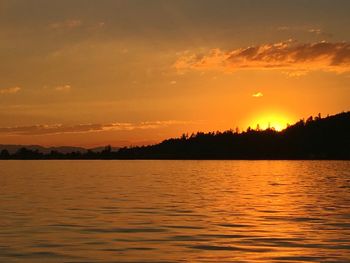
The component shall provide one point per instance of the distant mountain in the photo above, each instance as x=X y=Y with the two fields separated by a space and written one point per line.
x=12 y=148
x=314 y=138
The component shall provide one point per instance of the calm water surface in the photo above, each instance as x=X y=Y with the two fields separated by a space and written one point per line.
x=174 y=211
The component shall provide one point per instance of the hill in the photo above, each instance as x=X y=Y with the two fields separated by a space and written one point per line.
x=314 y=138
x=13 y=148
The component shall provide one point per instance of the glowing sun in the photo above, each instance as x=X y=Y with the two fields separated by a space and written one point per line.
x=275 y=121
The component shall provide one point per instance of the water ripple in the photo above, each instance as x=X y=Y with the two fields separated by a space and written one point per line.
x=175 y=211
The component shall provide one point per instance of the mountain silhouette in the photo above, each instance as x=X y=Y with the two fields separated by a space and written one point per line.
x=314 y=138
x=12 y=148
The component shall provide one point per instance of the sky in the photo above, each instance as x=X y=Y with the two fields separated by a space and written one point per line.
x=90 y=73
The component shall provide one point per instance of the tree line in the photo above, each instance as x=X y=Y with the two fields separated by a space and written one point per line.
x=313 y=138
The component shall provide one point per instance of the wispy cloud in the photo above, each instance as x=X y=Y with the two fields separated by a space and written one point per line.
x=295 y=73
x=10 y=90
x=288 y=55
x=66 y=24
x=46 y=129
x=305 y=29
x=63 y=88
x=283 y=28
x=257 y=95
x=316 y=31
x=71 y=24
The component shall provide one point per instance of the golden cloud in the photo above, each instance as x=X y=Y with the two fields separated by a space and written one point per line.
x=63 y=88
x=288 y=55
x=69 y=24
x=46 y=129
x=257 y=95
x=10 y=90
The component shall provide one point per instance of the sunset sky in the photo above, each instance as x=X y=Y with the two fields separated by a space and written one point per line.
x=90 y=73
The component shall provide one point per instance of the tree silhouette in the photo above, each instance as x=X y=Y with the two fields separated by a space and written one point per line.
x=4 y=154
x=315 y=138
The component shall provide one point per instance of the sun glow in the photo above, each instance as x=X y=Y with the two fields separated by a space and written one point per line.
x=274 y=121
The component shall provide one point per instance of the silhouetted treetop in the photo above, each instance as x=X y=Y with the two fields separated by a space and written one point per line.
x=315 y=138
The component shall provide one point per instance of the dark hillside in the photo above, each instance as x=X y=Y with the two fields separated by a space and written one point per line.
x=315 y=138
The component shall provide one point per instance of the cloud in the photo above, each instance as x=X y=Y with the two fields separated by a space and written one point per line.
x=10 y=90
x=283 y=28
x=101 y=24
x=305 y=29
x=257 y=95
x=288 y=55
x=63 y=88
x=316 y=31
x=47 y=129
x=295 y=73
x=67 y=24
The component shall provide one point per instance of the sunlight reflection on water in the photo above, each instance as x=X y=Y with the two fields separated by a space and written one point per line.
x=175 y=211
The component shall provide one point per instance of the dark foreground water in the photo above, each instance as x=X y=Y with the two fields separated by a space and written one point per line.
x=174 y=211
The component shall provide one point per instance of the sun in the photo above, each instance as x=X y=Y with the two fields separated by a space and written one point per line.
x=276 y=121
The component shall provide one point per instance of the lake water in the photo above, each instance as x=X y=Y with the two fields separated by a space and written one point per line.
x=175 y=211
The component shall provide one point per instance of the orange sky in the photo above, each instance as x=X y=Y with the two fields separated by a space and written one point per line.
x=136 y=72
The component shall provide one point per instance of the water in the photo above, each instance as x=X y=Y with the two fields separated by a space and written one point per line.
x=174 y=211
